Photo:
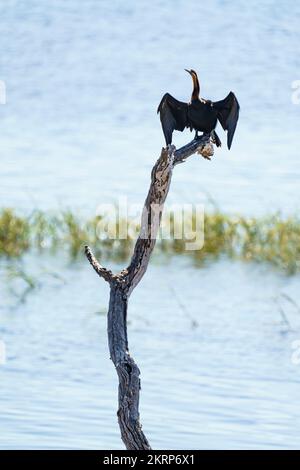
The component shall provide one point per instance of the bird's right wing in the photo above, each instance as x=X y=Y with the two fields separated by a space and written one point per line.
x=173 y=116
x=228 y=115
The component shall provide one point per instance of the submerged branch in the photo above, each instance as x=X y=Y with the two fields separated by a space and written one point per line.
x=102 y=272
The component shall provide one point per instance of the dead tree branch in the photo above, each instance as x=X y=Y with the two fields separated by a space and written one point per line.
x=123 y=283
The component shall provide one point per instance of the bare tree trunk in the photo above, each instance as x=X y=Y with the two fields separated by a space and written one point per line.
x=123 y=283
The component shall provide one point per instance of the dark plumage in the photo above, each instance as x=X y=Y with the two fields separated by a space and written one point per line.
x=200 y=115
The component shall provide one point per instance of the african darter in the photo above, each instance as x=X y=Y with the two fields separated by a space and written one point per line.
x=200 y=114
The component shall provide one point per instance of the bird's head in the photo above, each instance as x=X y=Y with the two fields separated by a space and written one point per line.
x=191 y=72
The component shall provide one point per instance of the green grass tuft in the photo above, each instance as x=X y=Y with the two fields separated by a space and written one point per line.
x=274 y=240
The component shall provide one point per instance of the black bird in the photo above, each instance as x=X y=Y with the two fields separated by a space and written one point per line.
x=200 y=114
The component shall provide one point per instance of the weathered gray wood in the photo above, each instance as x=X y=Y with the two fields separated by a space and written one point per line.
x=123 y=283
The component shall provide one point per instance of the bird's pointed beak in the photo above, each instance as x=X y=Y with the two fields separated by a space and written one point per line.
x=188 y=71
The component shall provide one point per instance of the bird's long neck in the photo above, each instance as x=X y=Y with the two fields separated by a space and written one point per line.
x=196 y=89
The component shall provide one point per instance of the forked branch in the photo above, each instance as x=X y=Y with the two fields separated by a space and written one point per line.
x=123 y=283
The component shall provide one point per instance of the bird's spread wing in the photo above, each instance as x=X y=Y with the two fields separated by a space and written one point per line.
x=173 y=116
x=228 y=115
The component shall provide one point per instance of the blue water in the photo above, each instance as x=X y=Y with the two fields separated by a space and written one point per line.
x=80 y=128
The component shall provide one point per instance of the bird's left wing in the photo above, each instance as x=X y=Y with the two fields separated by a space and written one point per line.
x=228 y=115
x=173 y=116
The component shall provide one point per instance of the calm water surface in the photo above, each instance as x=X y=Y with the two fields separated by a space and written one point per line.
x=84 y=80
x=215 y=356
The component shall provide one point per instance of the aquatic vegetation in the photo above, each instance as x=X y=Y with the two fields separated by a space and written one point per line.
x=274 y=240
